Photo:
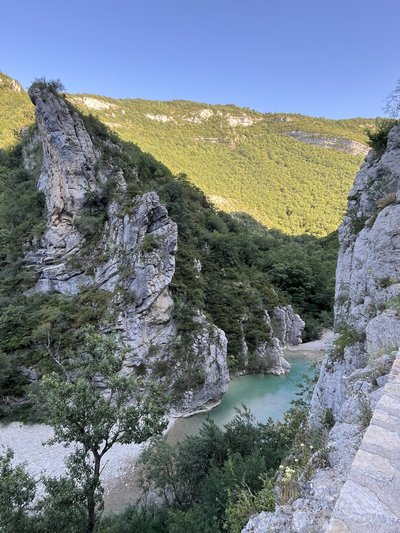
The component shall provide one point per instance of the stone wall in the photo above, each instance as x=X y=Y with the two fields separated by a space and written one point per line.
x=369 y=499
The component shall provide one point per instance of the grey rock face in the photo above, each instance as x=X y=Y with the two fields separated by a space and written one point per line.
x=271 y=352
x=290 y=326
x=210 y=346
x=68 y=168
x=366 y=316
x=286 y=330
x=368 y=275
x=136 y=249
x=356 y=367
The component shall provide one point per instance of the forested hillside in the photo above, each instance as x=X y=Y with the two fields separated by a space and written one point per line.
x=16 y=111
x=289 y=172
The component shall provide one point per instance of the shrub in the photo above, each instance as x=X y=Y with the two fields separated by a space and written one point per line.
x=386 y=282
x=365 y=411
x=328 y=419
x=247 y=504
x=347 y=336
x=357 y=224
x=54 y=86
x=394 y=304
x=378 y=136
x=150 y=243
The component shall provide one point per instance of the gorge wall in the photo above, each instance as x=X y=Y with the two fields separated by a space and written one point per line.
x=359 y=375
x=130 y=260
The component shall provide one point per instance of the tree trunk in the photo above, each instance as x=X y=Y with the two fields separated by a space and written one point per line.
x=91 y=497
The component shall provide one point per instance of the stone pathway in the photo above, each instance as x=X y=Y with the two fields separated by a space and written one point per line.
x=369 y=501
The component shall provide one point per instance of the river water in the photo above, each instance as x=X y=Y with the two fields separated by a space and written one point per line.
x=265 y=395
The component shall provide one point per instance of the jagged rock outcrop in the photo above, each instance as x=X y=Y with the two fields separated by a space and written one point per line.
x=11 y=84
x=131 y=258
x=285 y=328
x=211 y=341
x=135 y=254
x=289 y=326
x=357 y=365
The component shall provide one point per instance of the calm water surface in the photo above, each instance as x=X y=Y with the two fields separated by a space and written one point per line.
x=265 y=395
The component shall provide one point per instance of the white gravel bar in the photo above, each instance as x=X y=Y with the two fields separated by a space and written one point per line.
x=28 y=444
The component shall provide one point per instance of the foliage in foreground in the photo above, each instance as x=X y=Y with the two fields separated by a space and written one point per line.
x=214 y=481
x=92 y=407
x=378 y=134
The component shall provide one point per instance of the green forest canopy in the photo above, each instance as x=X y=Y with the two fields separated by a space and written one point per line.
x=244 y=161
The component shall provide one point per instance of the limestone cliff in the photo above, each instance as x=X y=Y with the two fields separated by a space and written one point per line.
x=357 y=365
x=367 y=279
x=133 y=259
x=286 y=329
x=98 y=237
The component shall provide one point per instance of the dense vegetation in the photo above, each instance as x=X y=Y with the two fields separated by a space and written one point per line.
x=213 y=481
x=256 y=169
x=244 y=269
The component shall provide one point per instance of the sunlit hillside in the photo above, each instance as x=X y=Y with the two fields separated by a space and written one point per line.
x=16 y=111
x=289 y=172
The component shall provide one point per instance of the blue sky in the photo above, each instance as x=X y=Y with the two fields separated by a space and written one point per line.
x=326 y=58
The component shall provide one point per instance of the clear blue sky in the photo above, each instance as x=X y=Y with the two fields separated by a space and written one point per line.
x=334 y=58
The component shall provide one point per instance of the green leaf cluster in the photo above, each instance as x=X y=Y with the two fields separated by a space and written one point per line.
x=213 y=481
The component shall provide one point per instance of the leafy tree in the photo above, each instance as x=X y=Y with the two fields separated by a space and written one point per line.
x=89 y=402
x=392 y=102
x=17 y=491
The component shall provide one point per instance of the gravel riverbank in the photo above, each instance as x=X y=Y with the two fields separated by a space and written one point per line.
x=313 y=350
x=28 y=443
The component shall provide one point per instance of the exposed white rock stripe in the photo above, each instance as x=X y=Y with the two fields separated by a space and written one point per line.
x=369 y=500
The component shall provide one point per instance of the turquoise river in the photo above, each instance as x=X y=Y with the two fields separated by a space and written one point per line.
x=265 y=395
